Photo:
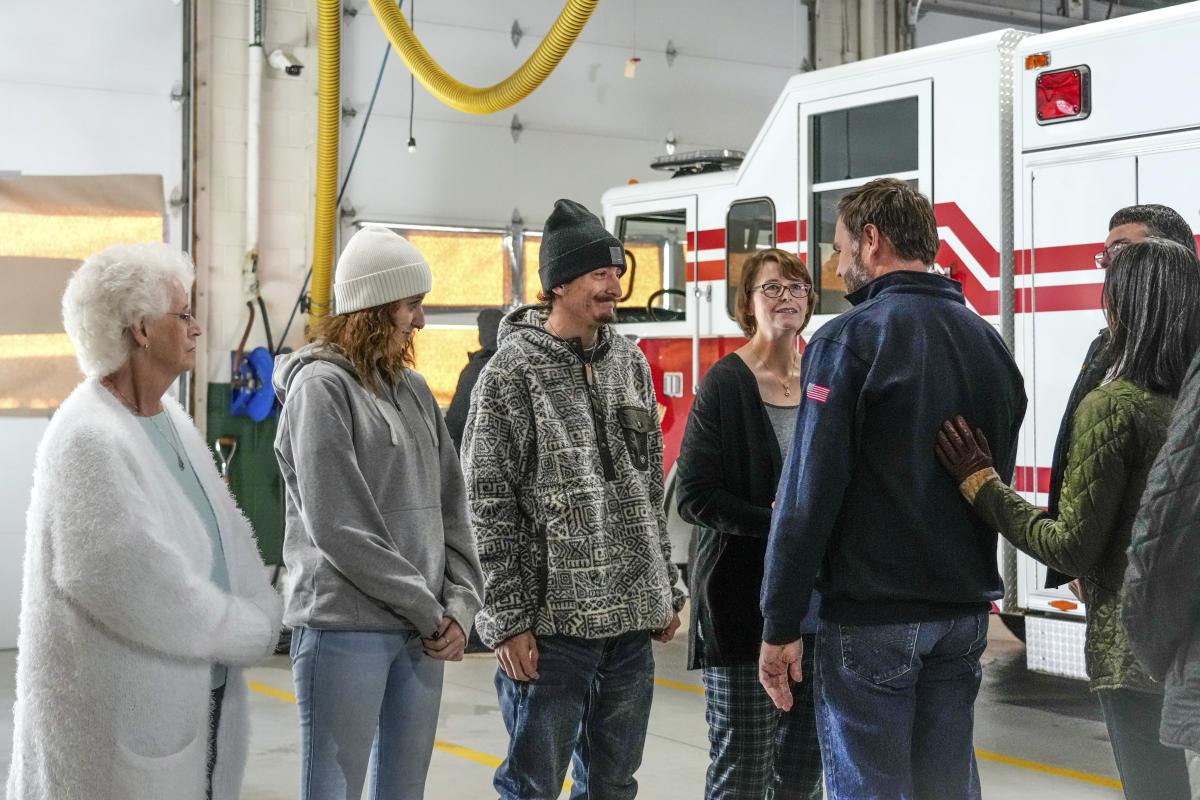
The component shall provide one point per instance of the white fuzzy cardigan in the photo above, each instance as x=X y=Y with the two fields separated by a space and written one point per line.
x=121 y=622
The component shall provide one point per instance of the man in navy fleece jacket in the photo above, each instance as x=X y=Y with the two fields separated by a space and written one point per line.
x=865 y=514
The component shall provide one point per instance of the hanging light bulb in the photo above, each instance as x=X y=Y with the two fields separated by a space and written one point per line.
x=670 y=143
x=412 y=87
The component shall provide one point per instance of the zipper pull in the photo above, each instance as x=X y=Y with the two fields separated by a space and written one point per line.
x=587 y=374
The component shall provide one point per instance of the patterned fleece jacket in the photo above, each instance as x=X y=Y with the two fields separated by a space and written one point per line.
x=563 y=463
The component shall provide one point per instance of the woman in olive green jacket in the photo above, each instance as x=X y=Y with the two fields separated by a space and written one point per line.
x=1152 y=297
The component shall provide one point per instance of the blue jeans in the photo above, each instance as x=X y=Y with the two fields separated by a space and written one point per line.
x=368 y=705
x=896 y=708
x=1149 y=769
x=590 y=705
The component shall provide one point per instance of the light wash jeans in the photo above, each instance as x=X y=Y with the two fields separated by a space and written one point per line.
x=368 y=707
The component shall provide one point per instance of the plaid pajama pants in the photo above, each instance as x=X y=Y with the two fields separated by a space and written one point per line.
x=758 y=752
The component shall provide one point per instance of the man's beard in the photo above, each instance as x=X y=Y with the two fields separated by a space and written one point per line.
x=857 y=276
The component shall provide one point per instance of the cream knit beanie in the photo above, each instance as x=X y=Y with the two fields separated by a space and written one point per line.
x=377 y=267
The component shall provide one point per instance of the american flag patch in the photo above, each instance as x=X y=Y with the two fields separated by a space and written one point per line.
x=817 y=392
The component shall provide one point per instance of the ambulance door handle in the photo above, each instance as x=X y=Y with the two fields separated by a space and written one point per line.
x=702 y=293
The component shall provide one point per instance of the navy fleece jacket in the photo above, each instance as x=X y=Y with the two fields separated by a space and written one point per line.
x=863 y=510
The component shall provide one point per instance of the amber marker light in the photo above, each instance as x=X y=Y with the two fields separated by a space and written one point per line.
x=1037 y=61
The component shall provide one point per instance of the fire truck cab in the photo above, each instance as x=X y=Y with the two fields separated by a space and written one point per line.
x=1025 y=144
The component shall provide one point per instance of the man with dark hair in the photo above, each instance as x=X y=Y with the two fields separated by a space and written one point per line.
x=563 y=461
x=905 y=570
x=456 y=416
x=1130 y=224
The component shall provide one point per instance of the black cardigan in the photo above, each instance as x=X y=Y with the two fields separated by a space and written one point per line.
x=728 y=468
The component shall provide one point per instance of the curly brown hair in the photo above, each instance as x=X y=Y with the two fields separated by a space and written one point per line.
x=365 y=337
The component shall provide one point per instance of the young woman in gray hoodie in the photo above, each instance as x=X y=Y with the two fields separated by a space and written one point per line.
x=383 y=575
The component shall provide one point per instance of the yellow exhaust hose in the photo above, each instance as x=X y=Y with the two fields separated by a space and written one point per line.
x=329 y=115
x=508 y=92
x=511 y=90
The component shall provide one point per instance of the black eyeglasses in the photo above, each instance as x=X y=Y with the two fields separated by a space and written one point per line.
x=1105 y=256
x=775 y=290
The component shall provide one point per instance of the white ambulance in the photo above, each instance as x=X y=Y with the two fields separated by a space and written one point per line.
x=1026 y=144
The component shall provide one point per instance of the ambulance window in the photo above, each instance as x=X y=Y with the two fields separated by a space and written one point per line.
x=749 y=227
x=656 y=254
x=866 y=141
x=849 y=147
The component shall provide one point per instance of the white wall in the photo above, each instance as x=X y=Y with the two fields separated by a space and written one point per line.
x=288 y=164
x=586 y=128
x=933 y=28
x=78 y=99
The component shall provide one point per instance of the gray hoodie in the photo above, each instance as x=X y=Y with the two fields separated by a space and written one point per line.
x=377 y=535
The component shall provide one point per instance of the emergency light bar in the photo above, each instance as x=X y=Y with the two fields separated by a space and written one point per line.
x=1064 y=95
x=699 y=161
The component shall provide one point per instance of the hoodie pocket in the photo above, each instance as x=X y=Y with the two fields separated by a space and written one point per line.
x=636 y=424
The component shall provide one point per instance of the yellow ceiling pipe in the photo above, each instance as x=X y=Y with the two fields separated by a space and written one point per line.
x=508 y=92
x=329 y=109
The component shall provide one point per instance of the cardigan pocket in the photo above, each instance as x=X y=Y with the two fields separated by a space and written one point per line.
x=155 y=777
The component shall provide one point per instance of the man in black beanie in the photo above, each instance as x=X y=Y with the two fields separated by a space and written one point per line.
x=563 y=460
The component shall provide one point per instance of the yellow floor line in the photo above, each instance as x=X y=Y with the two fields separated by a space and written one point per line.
x=686 y=687
x=467 y=753
x=1062 y=772
x=492 y=761
x=271 y=691
x=439 y=744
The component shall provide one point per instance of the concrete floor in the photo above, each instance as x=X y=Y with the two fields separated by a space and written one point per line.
x=1036 y=736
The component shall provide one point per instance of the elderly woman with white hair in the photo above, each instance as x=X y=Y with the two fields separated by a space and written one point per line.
x=143 y=590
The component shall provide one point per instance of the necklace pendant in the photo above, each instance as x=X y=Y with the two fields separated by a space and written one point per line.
x=787 y=391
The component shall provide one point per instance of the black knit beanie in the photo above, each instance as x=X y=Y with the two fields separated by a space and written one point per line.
x=574 y=242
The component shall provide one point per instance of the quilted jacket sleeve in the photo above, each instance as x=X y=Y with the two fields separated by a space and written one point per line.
x=1104 y=440
x=1161 y=604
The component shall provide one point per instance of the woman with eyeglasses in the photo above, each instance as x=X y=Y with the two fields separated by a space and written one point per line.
x=737 y=438
x=144 y=593
x=1152 y=302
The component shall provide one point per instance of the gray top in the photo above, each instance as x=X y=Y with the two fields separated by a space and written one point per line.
x=377 y=535
x=166 y=441
x=783 y=422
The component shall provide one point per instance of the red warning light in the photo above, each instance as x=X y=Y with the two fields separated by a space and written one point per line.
x=1064 y=95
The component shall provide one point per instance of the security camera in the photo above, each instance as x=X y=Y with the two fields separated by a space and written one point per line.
x=284 y=62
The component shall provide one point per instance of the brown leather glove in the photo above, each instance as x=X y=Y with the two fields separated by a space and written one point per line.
x=962 y=452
